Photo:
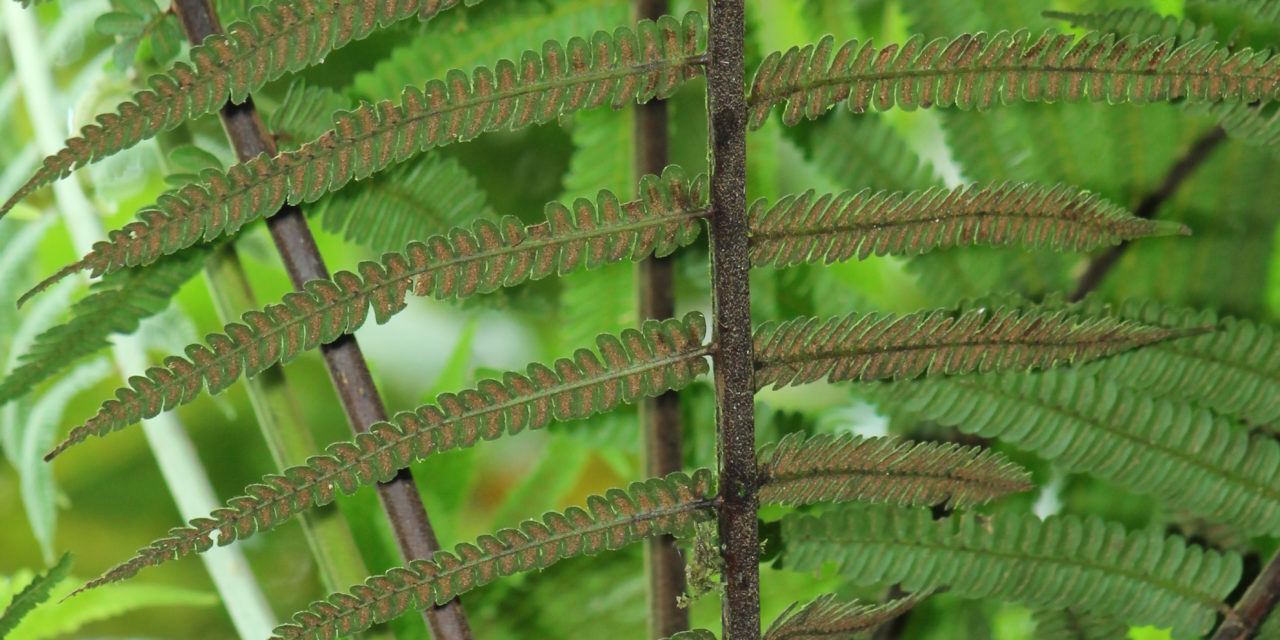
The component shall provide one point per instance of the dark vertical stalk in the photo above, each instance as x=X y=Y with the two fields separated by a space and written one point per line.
x=346 y=364
x=661 y=415
x=731 y=311
x=1258 y=603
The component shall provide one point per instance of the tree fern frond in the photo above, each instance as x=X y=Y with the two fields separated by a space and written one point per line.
x=693 y=634
x=282 y=37
x=661 y=356
x=827 y=618
x=457 y=265
x=1139 y=577
x=978 y=71
x=1266 y=10
x=833 y=228
x=1234 y=370
x=649 y=62
x=846 y=468
x=670 y=505
x=881 y=159
x=115 y=305
x=1138 y=21
x=1186 y=456
x=1072 y=624
x=876 y=346
x=33 y=595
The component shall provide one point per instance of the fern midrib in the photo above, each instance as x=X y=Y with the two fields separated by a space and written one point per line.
x=837 y=354
x=772 y=479
x=1226 y=473
x=775 y=96
x=281 y=166
x=366 y=289
x=345 y=467
x=395 y=594
x=1171 y=587
x=772 y=234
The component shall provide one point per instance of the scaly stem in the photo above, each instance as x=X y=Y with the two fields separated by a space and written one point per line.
x=1181 y=170
x=182 y=470
x=288 y=438
x=731 y=311
x=660 y=416
x=347 y=367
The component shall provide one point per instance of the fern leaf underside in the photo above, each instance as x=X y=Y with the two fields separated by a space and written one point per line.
x=282 y=37
x=457 y=265
x=1139 y=577
x=827 y=618
x=671 y=505
x=643 y=64
x=660 y=356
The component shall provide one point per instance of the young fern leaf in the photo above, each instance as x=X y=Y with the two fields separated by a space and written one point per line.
x=1234 y=370
x=457 y=265
x=649 y=62
x=1051 y=564
x=979 y=71
x=1072 y=624
x=114 y=305
x=282 y=37
x=670 y=505
x=876 y=346
x=833 y=228
x=827 y=618
x=847 y=468
x=661 y=356
x=33 y=595
x=1187 y=456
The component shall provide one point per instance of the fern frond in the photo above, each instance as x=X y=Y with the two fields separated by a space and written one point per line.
x=661 y=356
x=833 y=228
x=650 y=62
x=1266 y=10
x=282 y=37
x=881 y=159
x=1139 y=577
x=979 y=71
x=670 y=505
x=1138 y=21
x=693 y=634
x=1234 y=370
x=1072 y=624
x=1186 y=456
x=33 y=595
x=847 y=468
x=876 y=346
x=827 y=618
x=458 y=265
x=115 y=305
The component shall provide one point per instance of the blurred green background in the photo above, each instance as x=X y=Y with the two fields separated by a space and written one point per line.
x=105 y=499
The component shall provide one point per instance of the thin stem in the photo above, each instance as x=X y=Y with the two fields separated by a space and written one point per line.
x=181 y=468
x=731 y=312
x=288 y=438
x=1179 y=173
x=660 y=416
x=343 y=358
x=1256 y=605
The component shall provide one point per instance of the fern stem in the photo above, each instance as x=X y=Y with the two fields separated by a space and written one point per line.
x=288 y=438
x=733 y=359
x=181 y=469
x=1257 y=604
x=343 y=358
x=1180 y=172
x=660 y=416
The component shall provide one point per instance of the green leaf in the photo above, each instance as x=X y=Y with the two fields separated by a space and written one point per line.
x=120 y=23
x=166 y=40
x=35 y=593
x=123 y=53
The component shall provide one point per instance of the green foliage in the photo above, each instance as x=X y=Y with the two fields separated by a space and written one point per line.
x=874 y=346
x=647 y=63
x=825 y=469
x=828 y=618
x=1070 y=624
x=693 y=634
x=980 y=71
x=283 y=37
x=25 y=601
x=661 y=356
x=457 y=265
x=1139 y=577
x=670 y=505
x=833 y=228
